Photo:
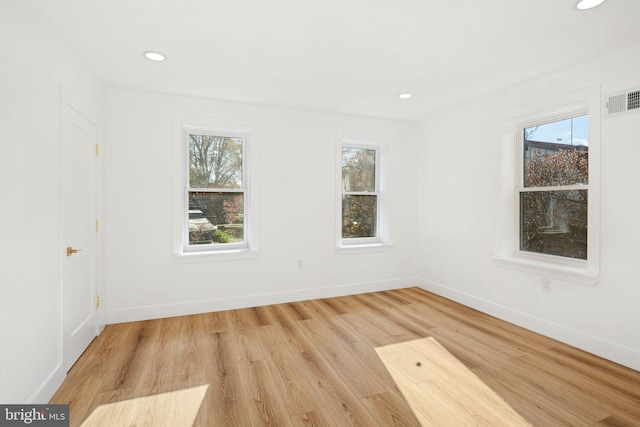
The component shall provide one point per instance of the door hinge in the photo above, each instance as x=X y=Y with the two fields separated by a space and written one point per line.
x=97 y=150
x=97 y=226
x=97 y=302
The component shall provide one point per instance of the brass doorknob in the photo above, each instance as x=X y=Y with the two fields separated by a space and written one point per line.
x=71 y=251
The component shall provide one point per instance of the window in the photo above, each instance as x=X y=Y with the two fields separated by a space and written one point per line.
x=213 y=215
x=216 y=191
x=554 y=188
x=549 y=202
x=359 y=193
x=362 y=195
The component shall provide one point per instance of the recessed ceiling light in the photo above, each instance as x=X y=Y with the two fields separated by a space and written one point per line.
x=155 y=56
x=405 y=95
x=588 y=4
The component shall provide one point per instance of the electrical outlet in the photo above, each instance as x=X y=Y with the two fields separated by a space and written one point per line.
x=546 y=284
x=300 y=263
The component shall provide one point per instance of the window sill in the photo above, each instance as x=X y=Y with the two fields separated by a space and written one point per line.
x=363 y=249
x=231 y=255
x=555 y=271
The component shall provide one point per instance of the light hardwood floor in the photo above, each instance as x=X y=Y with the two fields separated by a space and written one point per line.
x=315 y=363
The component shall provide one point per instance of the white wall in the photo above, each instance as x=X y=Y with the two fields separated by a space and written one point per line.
x=35 y=63
x=458 y=187
x=297 y=167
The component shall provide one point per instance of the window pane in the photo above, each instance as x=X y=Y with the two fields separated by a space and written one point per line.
x=215 y=161
x=358 y=169
x=359 y=215
x=216 y=218
x=554 y=223
x=557 y=153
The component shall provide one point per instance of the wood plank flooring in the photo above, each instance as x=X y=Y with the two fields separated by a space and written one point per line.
x=441 y=390
x=314 y=363
x=174 y=409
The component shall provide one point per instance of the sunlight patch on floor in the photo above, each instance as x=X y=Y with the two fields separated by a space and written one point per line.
x=174 y=409
x=441 y=390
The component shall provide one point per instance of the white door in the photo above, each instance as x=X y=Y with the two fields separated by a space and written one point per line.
x=78 y=228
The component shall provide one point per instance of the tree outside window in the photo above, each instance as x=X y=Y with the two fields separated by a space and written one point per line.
x=359 y=193
x=216 y=189
x=554 y=197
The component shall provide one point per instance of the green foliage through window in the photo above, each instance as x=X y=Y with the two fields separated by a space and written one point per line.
x=216 y=196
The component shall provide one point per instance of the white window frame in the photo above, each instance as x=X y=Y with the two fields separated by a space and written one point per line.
x=203 y=125
x=381 y=240
x=507 y=238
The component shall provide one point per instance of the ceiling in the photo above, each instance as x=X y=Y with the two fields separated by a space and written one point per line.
x=342 y=56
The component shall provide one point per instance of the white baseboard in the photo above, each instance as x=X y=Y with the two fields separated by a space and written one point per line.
x=609 y=350
x=133 y=314
x=48 y=387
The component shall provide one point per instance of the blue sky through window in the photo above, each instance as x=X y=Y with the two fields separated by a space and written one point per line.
x=573 y=131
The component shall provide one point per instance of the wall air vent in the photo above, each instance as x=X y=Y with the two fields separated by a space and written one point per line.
x=622 y=102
